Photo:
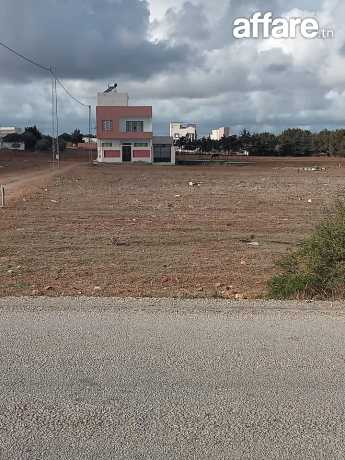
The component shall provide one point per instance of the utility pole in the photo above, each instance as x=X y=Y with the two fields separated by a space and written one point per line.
x=57 y=124
x=2 y=195
x=90 y=128
x=53 y=120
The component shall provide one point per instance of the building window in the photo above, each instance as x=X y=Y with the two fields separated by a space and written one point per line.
x=107 y=144
x=134 y=126
x=107 y=125
x=141 y=144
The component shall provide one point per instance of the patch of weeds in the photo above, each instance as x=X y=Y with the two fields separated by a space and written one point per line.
x=316 y=270
x=21 y=286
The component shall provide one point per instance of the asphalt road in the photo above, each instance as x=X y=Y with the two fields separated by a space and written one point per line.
x=151 y=379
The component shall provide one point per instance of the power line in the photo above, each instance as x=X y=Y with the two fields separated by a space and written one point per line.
x=25 y=58
x=47 y=69
x=68 y=92
x=55 y=122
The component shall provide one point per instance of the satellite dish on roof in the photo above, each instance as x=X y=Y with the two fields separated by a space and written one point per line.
x=110 y=88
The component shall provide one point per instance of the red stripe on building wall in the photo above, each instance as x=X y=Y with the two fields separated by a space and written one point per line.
x=141 y=153
x=112 y=154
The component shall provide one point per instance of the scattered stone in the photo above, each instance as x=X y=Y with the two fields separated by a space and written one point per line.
x=34 y=292
x=48 y=288
x=240 y=297
x=314 y=169
x=117 y=242
x=254 y=243
x=97 y=288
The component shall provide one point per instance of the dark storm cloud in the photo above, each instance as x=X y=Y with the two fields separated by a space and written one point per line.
x=84 y=39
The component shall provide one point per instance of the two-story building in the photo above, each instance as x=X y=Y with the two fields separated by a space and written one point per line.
x=186 y=130
x=124 y=133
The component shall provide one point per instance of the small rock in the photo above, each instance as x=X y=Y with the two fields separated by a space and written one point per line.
x=34 y=292
x=97 y=288
x=239 y=296
x=254 y=243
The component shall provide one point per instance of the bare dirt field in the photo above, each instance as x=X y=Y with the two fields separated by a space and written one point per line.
x=143 y=231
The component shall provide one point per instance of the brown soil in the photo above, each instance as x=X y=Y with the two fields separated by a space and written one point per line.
x=143 y=231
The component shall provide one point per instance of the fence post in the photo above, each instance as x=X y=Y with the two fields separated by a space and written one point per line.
x=2 y=196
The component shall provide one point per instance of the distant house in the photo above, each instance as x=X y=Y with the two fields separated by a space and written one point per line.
x=5 y=131
x=179 y=130
x=12 y=145
x=92 y=140
x=218 y=134
x=124 y=132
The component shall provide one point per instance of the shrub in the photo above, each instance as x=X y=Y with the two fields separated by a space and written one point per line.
x=44 y=144
x=316 y=270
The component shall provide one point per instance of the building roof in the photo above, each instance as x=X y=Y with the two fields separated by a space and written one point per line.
x=162 y=140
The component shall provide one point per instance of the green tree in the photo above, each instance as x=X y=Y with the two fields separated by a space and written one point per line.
x=77 y=137
x=34 y=131
x=296 y=141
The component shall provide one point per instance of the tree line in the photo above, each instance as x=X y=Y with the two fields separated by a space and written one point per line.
x=291 y=142
x=34 y=140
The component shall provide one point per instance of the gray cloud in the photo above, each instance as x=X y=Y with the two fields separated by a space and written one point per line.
x=84 y=39
x=185 y=63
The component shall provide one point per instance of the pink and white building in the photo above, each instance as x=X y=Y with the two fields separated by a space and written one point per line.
x=124 y=132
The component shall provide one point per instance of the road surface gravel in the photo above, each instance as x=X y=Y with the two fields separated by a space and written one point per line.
x=165 y=379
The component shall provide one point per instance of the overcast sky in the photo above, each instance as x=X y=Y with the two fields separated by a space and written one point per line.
x=178 y=56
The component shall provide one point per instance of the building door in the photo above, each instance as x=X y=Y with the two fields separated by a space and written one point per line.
x=127 y=153
x=162 y=153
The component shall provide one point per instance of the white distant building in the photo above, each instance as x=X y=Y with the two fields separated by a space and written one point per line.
x=187 y=130
x=4 y=131
x=218 y=134
x=92 y=140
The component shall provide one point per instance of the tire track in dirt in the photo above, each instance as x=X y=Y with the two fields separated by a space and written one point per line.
x=27 y=182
